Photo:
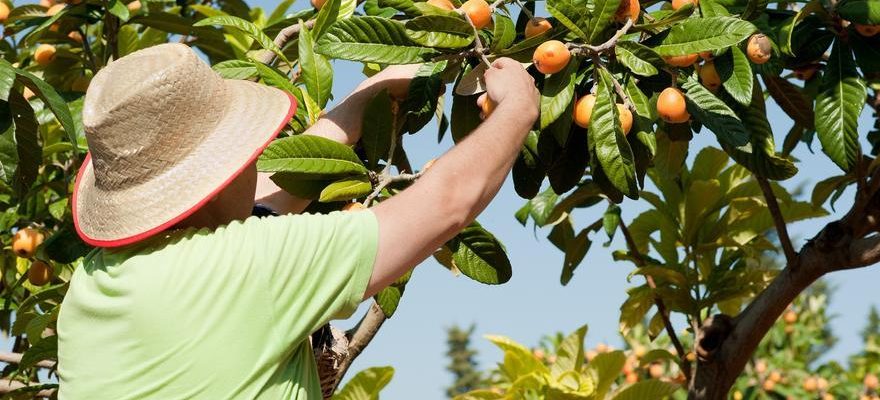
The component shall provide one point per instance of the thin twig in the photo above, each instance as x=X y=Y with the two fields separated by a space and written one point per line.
x=525 y=10
x=661 y=305
x=387 y=180
x=458 y=56
x=778 y=220
x=495 y=5
x=360 y=336
x=609 y=44
x=478 y=44
x=87 y=48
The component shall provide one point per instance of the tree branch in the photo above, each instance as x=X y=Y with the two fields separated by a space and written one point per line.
x=359 y=337
x=661 y=306
x=8 y=385
x=781 y=228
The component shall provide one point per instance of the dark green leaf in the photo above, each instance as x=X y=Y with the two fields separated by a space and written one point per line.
x=838 y=105
x=236 y=69
x=346 y=189
x=46 y=349
x=754 y=8
x=440 y=31
x=667 y=18
x=311 y=157
x=575 y=252
x=503 y=33
x=607 y=142
x=572 y=14
x=327 y=15
x=423 y=95
x=528 y=172
x=65 y=246
x=299 y=186
x=696 y=35
x=371 y=39
x=638 y=58
x=480 y=256
x=735 y=72
x=558 y=94
x=860 y=11
x=465 y=116
x=611 y=219
x=30 y=154
x=54 y=101
x=791 y=100
x=7 y=79
x=377 y=128
x=601 y=18
x=247 y=27
x=714 y=114
x=317 y=73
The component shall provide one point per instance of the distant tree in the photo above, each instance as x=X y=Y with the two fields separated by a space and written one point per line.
x=461 y=361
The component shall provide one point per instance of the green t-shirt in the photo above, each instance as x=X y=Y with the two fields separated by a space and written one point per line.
x=224 y=314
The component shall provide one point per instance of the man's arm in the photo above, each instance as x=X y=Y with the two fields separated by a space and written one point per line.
x=460 y=184
x=342 y=124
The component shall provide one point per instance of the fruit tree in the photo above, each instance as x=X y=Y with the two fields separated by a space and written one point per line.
x=624 y=85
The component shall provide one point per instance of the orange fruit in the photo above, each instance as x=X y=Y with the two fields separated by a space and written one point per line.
x=134 y=6
x=676 y=4
x=761 y=367
x=681 y=61
x=26 y=241
x=444 y=4
x=537 y=26
x=4 y=12
x=318 y=4
x=811 y=384
x=628 y=9
x=45 y=54
x=867 y=30
x=871 y=382
x=631 y=378
x=759 y=48
x=706 y=55
x=656 y=370
x=691 y=356
x=47 y=3
x=40 y=273
x=822 y=384
x=583 y=110
x=672 y=107
x=709 y=76
x=487 y=107
x=55 y=9
x=775 y=376
x=768 y=385
x=353 y=207
x=626 y=118
x=790 y=317
x=551 y=57
x=75 y=36
x=478 y=11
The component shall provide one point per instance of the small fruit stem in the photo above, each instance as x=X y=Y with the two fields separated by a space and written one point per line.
x=524 y=9
x=477 y=41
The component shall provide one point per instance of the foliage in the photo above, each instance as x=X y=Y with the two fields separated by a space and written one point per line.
x=461 y=361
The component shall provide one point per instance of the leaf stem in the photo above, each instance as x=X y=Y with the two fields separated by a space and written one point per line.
x=525 y=10
x=778 y=220
x=477 y=42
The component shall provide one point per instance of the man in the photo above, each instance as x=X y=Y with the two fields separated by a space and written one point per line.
x=187 y=297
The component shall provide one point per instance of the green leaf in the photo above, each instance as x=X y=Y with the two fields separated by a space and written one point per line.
x=754 y=8
x=465 y=116
x=575 y=251
x=236 y=69
x=279 y=12
x=366 y=385
x=248 y=28
x=440 y=31
x=649 y=389
x=346 y=189
x=735 y=72
x=838 y=105
x=611 y=219
x=389 y=298
x=634 y=309
x=639 y=59
x=701 y=198
x=30 y=154
x=571 y=14
x=711 y=8
x=787 y=29
x=275 y=78
x=791 y=100
x=65 y=246
x=46 y=349
x=601 y=18
x=423 y=95
x=317 y=73
x=558 y=94
x=860 y=11
x=518 y=360
x=118 y=8
x=523 y=51
x=480 y=256
x=696 y=35
x=667 y=19
x=607 y=141
x=7 y=79
x=299 y=186
x=372 y=39
x=528 y=171
x=607 y=367
x=327 y=16
x=569 y=353
x=310 y=157
x=377 y=128
x=714 y=114
x=406 y=6
x=54 y=101
x=503 y=33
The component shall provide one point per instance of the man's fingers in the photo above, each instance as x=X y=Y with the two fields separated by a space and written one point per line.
x=481 y=99
x=505 y=62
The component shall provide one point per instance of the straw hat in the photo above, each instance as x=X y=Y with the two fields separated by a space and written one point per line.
x=165 y=134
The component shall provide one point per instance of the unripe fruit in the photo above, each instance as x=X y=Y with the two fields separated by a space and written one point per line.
x=631 y=378
x=672 y=107
x=775 y=376
x=871 y=382
x=134 y=6
x=75 y=36
x=628 y=9
x=691 y=356
x=40 y=273
x=4 y=12
x=709 y=76
x=537 y=26
x=681 y=61
x=444 y=4
x=478 y=11
x=790 y=317
x=811 y=384
x=318 y=4
x=676 y=4
x=487 y=107
x=759 y=48
x=867 y=30
x=551 y=57
x=583 y=110
x=353 y=207
x=26 y=241
x=768 y=385
x=45 y=54
x=737 y=395
x=806 y=73
x=656 y=370
x=626 y=118
x=55 y=9
x=789 y=329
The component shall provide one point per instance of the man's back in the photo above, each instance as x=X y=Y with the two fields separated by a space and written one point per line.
x=223 y=314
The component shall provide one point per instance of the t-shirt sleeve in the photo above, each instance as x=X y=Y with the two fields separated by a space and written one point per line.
x=314 y=267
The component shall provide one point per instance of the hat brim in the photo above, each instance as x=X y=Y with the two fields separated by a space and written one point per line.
x=113 y=218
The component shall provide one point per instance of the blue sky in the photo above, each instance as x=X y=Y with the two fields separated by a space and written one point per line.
x=534 y=303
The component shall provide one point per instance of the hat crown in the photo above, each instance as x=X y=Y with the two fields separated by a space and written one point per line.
x=147 y=111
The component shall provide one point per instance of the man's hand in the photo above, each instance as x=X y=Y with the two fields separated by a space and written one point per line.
x=508 y=85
